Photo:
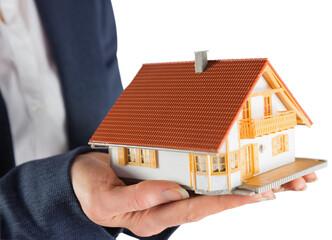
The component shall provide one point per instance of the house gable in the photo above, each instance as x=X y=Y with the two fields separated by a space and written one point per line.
x=261 y=86
x=285 y=95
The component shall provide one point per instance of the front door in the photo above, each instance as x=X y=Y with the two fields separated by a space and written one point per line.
x=249 y=165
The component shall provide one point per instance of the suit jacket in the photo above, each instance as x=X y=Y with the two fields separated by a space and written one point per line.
x=37 y=199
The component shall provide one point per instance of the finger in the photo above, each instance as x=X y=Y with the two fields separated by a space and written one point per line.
x=194 y=209
x=278 y=189
x=296 y=185
x=143 y=195
x=311 y=177
x=189 y=210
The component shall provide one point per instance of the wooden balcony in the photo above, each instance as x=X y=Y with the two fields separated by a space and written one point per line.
x=252 y=128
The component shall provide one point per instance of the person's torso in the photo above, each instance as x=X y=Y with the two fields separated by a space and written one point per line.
x=29 y=84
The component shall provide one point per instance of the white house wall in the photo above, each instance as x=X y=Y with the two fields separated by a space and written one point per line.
x=261 y=85
x=236 y=179
x=257 y=107
x=219 y=182
x=172 y=166
x=277 y=105
x=223 y=148
x=233 y=138
x=202 y=182
x=265 y=158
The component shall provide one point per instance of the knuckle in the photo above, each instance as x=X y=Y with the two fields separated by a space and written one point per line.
x=143 y=225
x=94 y=213
x=93 y=209
x=191 y=214
x=139 y=201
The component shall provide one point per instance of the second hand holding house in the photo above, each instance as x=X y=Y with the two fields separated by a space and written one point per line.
x=211 y=126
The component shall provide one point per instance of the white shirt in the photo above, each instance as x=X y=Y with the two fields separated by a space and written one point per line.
x=29 y=84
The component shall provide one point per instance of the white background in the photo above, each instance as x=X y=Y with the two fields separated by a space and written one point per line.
x=296 y=37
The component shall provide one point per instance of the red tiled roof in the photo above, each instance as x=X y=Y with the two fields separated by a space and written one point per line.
x=168 y=105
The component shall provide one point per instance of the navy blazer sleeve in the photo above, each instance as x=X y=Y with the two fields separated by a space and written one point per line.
x=38 y=202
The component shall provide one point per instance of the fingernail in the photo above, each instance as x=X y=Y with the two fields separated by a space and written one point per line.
x=278 y=189
x=174 y=194
x=309 y=180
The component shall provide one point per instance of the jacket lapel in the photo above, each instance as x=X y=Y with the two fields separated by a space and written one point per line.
x=6 y=148
x=82 y=38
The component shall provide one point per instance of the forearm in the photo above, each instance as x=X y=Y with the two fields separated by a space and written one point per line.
x=38 y=201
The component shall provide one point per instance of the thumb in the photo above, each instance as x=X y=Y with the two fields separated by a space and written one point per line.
x=144 y=195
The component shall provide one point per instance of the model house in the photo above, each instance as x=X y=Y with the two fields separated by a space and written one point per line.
x=211 y=126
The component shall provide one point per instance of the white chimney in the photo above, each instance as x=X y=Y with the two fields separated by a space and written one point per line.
x=200 y=61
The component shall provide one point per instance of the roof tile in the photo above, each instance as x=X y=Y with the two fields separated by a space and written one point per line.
x=168 y=105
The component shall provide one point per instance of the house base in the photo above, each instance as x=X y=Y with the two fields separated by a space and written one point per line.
x=262 y=182
x=273 y=178
x=276 y=177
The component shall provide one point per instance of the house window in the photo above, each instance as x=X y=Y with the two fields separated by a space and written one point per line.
x=280 y=144
x=200 y=163
x=138 y=157
x=267 y=106
x=218 y=164
x=131 y=156
x=247 y=110
x=145 y=157
x=234 y=160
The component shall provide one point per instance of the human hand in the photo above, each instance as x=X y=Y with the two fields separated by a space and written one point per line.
x=149 y=207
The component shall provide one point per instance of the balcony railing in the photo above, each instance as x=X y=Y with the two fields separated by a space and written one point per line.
x=251 y=128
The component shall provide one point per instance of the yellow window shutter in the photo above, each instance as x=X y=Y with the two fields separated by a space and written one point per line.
x=122 y=156
x=256 y=160
x=138 y=153
x=153 y=158
x=286 y=143
x=191 y=162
